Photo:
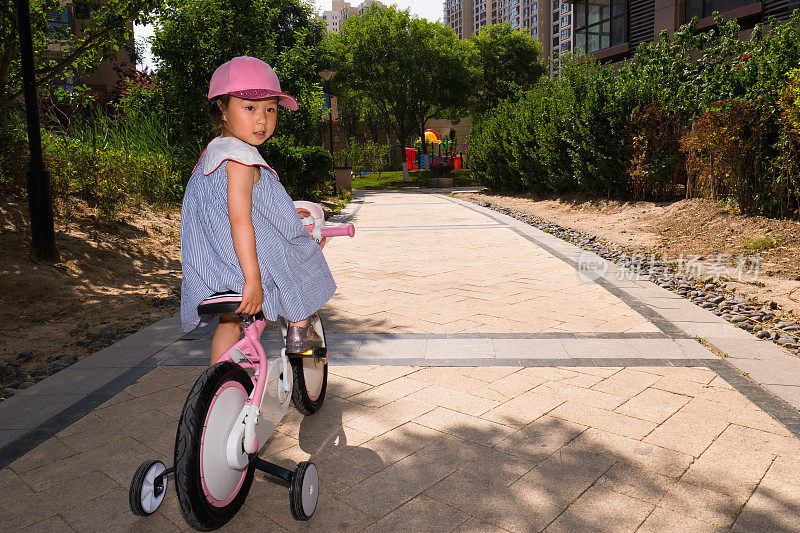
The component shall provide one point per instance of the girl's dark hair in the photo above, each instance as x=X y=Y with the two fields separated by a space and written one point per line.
x=216 y=105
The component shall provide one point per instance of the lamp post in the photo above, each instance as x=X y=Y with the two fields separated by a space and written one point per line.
x=327 y=76
x=39 y=204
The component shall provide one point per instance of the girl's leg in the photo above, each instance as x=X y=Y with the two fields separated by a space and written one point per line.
x=303 y=323
x=226 y=335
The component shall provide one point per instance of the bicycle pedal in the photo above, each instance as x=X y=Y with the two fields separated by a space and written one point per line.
x=316 y=353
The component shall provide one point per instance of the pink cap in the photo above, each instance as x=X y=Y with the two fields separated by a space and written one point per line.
x=249 y=78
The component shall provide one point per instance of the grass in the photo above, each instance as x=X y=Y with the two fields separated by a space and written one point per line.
x=417 y=178
x=759 y=244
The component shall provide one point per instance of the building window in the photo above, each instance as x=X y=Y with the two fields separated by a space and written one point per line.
x=705 y=8
x=565 y=33
x=599 y=24
x=535 y=32
x=59 y=22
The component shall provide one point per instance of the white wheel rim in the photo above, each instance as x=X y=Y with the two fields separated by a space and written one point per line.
x=148 y=498
x=310 y=489
x=220 y=482
x=313 y=375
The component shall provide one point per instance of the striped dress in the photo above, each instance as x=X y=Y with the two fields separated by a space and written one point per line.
x=294 y=273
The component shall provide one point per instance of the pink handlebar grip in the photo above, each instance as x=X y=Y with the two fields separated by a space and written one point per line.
x=339 y=231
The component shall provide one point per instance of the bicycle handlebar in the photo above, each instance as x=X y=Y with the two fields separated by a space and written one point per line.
x=339 y=231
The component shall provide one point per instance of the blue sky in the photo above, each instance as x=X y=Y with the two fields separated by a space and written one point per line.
x=428 y=9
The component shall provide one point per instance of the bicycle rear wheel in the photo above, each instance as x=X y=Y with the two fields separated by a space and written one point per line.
x=310 y=377
x=209 y=490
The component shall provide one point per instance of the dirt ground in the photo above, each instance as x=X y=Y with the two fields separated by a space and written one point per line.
x=701 y=230
x=119 y=277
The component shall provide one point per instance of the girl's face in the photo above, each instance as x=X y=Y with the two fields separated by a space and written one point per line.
x=252 y=121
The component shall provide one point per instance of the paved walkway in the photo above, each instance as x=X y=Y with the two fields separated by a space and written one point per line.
x=477 y=384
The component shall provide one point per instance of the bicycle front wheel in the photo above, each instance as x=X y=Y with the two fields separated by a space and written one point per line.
x=209 y=490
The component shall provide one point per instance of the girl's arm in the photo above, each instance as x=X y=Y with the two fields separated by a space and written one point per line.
x=240 y=198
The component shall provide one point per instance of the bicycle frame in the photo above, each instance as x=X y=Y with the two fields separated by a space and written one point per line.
x=269 y=400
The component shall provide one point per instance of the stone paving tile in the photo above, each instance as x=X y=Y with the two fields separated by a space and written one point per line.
x=759 y=441
x=53 y=524
x=629 y=450
x=529 y=509
x=661 y=520
x=400 y=482
x=524 y=409
x=785 y=470
x=390 y=416
x=450 y=378
x=653 y=405
x=636 y=482
x=603 y=419
x=131 y=426
x=626 y=382
x=772 y=507
x=702 y=504
x=731 y=471
x=388 y=392
x=473 y=525
x=747 y=415
x=533 y=461
x=689 y=433
x=467 y=427
x=454 y=399
x=600 y=509
x=564 y=391
x=420 y=514
x=343 y=387
x=540 y=439
x=58 y=498
x=49 y=451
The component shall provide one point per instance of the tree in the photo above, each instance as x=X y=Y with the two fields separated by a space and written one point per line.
x=102 y=30
x=194 y=37
x=508 y=61
x=408 y=68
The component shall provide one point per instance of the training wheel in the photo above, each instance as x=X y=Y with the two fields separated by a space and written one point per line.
x=304 y=490
x=148 y=488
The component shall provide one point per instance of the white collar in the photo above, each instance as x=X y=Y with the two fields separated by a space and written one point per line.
x=224 y=149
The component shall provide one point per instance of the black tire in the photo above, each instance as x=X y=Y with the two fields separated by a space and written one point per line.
x=197 y=510
x=137 y=487
x=304 y=502
x=301 y=398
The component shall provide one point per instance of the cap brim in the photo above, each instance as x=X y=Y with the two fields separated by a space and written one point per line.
x=256 y=94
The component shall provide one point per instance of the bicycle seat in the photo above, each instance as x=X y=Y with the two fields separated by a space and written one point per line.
x=220 y=302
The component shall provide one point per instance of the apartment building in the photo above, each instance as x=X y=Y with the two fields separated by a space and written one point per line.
x=467 y=17
x=609 y=29
x=612 y=29
x=341 y=11
x=458 y=16
x=70 y=19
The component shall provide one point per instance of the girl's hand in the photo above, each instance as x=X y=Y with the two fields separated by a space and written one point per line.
x=252 y=298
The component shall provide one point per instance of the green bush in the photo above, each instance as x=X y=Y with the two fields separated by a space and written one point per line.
x=618 y=130
x=558 y=137
x=108 y=176
x=304 y=171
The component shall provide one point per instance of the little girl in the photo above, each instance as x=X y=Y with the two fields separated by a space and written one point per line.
x=240 y=231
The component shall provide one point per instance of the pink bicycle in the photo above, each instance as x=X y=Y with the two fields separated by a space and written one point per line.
x=232 y=409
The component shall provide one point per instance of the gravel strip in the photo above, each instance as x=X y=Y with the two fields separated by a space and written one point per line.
x=767 y=321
